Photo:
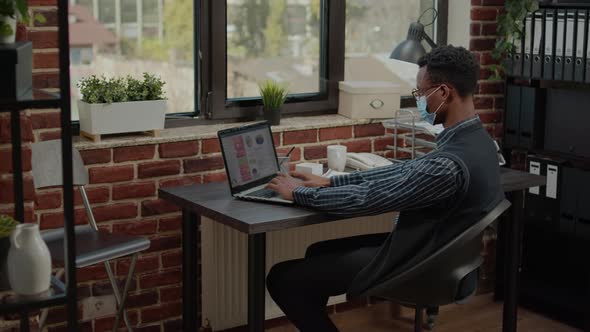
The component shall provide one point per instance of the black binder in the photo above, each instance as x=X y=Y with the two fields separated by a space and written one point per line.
x=528 y=118
x=512 y=122
x=581 y=31
x=517 y=57
x=538 y=40
x=559 y=45
x=570 y=45
x=549 y=44
x=528 y=45
x=509 y=60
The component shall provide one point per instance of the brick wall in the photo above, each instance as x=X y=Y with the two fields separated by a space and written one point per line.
x=125 y=180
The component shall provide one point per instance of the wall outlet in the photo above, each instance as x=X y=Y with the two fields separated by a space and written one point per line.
x=98 y=306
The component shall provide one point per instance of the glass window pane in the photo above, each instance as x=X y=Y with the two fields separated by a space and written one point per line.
x=86 y=4
x=150 y=11
x=106 y=11
x=272 y=39
x=372 y=34
x=167 y=51
x=128 y=11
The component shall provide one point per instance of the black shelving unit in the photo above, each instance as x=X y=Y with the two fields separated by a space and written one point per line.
x=59 y=293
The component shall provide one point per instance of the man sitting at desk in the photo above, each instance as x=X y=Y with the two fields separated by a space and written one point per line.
x=438 y=196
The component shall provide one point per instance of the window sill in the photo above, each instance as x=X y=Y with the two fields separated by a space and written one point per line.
x=206 y=129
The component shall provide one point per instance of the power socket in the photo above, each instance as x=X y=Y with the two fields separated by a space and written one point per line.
x=98 y=306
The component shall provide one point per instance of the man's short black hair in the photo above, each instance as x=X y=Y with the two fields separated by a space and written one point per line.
x=454 y=65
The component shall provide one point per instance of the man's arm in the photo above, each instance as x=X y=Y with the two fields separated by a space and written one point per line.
x=368 y=175
x=419 y=185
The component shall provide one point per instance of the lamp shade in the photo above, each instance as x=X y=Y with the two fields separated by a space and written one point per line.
x=411 y=49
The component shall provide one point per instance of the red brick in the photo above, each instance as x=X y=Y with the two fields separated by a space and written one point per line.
x=101 y=288
x=94 y=194
x=329 y=134
x=210 y=146
x=315 y=152
x=490 y=117
x=160 y=279
x=50 y=16
x=483 y=102
x=499 y=103
x=26 y=128
x=6 y=160
x=42 y=2
x=158 y=168
x=491 y=87
x=100 y=156
x=380 y=144
x=92 y=272
x=7 y=190
x=294 y=156
x=358 y=146
x=373 y=129
x=172 y=259
x=485 y=73
x=56 y=219
x=475 y=2
x=157 y=206
x=45 y=120
x=169 y=224
x=160 y=243
x=489 y=29
x=144 y=264
x=493 y=2
x=169 y=294
x=48 y=200
x=204 y=164
x=475 y=29
x=215 y=177
x=46 y=80
x=45 y=60
x=133 y=153
x=276 y=139
x=178 y=149
x=29 y=213
x=133 y=190
x=43 y=39
x=106 y=324
x=161 y=313
x=300 y=136
x=481 y=44
x=50 y=135
x=111 y=174
x=487 y=59
x=175 y=325
x=483 y=14
x=115 y=211
x=145 y=299
x=136 y=227
x=182 y=181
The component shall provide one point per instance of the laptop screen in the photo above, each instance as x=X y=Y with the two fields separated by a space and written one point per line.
x=249 y=155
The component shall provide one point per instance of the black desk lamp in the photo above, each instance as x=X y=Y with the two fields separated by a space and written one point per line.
x=411 y=49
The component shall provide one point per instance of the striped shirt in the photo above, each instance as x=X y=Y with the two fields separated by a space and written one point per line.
x=411 y=185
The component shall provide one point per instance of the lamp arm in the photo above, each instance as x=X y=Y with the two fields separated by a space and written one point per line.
x=429 y=40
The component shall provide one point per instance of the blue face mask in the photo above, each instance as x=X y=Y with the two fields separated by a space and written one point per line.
x=422 y=105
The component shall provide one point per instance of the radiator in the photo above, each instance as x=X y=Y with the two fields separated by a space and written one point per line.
x=224 y=262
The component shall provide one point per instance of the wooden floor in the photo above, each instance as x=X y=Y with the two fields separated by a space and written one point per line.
x=480 y=314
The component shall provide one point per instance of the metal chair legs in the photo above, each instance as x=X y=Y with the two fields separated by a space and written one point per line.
x=418 y=320
x=121 y=299
x=431 y=314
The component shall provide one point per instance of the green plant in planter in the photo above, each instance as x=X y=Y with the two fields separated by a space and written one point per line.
x=510 y=30
x=273 y=97
x=102 y=90
x=7 y=225
x=15 y=9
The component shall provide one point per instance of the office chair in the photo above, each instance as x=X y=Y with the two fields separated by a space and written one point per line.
x=92 y=246
x=437 y=280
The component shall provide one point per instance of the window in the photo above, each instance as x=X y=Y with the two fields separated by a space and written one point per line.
x=154 y=36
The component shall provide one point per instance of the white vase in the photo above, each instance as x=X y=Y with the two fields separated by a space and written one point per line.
x=12 y=23
x=29 y=261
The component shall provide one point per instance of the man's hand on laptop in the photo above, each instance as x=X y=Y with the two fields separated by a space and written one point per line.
x=284 y=185
x=310 y=180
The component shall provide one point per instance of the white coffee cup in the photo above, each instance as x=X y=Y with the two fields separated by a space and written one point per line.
x=337 y=157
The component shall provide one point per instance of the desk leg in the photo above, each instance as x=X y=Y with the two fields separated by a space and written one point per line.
x=190 y=266
x=256 y=281
x=512 y=261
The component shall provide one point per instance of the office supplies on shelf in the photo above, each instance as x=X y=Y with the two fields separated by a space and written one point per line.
x=549 y=44
x=581 y=28
x=517 y=57
x=559 y=45
x=534 y=168
x=528 y=40
x=537 y=51
x=570 y=44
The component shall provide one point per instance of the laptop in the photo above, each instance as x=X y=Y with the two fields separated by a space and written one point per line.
x=250 y=162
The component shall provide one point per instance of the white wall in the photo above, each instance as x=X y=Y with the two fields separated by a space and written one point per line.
x=459 y=21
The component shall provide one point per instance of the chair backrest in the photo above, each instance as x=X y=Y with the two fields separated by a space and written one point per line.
x=435 y=280
x=47 y=165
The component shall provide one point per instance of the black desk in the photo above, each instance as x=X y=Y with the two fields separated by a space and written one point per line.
x=214 y=201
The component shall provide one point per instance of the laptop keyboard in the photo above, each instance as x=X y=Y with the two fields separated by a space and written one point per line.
x=264 y=193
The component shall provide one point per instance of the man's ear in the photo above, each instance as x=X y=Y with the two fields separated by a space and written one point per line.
x=447 y=92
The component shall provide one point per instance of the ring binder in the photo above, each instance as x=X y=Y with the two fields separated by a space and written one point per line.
x=570 y=35
x=559 y=45
x=537 y=53
x=549 y=44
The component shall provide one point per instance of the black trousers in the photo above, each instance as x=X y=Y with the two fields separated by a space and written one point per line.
x=301 y=287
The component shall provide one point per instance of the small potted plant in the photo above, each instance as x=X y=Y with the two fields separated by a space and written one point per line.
x=273 y=97
x=12 y=11
x=7 y=225
x=121 y=105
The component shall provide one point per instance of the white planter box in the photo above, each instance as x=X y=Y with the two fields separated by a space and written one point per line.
x=116 y=118
x=369 y=100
